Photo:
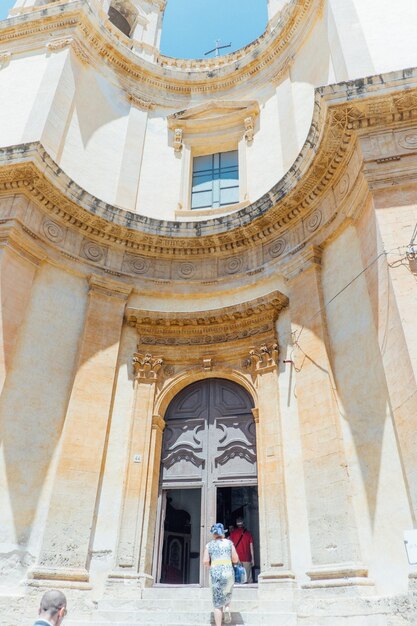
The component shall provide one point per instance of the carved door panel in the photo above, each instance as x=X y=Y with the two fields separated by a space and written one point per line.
x=184 y=454
x=209 y=441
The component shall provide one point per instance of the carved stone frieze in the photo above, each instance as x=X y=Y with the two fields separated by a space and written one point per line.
x=146 y=367
x=93 y=251
x=231 y=324
x=295 y=213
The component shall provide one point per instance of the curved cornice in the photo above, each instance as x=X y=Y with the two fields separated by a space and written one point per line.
x=300 y=209
x=81 y=24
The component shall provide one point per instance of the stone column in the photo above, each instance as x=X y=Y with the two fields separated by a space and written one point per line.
x=68 y=532
x=272 y=511
x=139 y=507
x=334 y=541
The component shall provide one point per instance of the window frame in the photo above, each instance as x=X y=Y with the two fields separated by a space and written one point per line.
x=214 y=176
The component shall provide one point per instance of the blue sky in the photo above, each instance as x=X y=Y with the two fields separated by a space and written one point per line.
x=4 y=7
x=191 y=27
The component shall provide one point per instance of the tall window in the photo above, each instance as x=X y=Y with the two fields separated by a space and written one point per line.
x=215 y=180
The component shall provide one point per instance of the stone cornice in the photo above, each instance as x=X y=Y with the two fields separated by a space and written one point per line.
x=243 y=323
x=301 y=209
x=84 y=21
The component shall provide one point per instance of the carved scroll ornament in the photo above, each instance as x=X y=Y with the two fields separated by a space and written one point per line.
x=146 y=367
x=261 y=358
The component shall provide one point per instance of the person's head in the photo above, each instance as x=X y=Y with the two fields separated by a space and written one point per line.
x=217 y=530
x=240 y=522
x=53 y=607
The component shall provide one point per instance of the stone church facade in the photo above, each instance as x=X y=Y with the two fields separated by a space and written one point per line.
x=208 y=308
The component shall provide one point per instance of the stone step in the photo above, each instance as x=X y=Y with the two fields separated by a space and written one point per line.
x=159 y=618
x=239 y=591
x=240 y=604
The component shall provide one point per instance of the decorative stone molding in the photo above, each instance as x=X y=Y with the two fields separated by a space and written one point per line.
x=283 y=71
x=74 y=578
x=109 y=288
x=239 y=323
x=141 y=103
x=177 y=143
x=171 y=77
x=81 y=52
x=302 y=210
x=338 y=575
x=195 y=125
x=146 y=367
x=59 y=44
x=158 y=423
x=261 y=359
x=249 y=129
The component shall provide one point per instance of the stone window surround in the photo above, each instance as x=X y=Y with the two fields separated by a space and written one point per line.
x=206 y=129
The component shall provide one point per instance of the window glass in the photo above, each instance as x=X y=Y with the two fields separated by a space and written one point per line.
x=215 y=180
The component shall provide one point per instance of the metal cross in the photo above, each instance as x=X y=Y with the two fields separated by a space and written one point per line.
x=217 y=48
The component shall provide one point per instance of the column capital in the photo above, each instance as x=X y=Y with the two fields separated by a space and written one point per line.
x=255 y=413
x=11 y=236
x=309 y=257
x=146 y=367
x=262 y=359
x=99 y=285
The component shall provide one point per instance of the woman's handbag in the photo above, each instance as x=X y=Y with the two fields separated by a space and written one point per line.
x=240 y=574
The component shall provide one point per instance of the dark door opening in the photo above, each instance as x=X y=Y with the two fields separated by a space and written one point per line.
x=181 y=537
x=241 y=501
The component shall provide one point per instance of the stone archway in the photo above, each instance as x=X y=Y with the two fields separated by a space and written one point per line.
x=208 y=451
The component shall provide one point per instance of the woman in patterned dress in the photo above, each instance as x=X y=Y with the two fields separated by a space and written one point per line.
x=219 y=555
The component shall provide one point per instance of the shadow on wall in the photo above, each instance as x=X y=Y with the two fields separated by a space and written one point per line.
x=40 y=369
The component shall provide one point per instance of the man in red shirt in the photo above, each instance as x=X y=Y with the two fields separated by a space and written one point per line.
x=243 y=541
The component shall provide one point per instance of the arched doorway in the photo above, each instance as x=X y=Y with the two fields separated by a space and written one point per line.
x=208 y=473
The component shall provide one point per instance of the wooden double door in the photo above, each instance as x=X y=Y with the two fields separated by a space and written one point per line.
x=209 y=443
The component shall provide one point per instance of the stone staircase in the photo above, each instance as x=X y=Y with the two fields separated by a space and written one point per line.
x=186 y=606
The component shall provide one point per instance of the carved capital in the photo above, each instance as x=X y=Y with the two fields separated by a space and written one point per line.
x=178 y=140
x=109 y=288
x=146 y=367
x=255 y=413
x=262 y=358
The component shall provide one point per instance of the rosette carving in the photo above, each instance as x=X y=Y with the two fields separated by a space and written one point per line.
x=136 y=264
x=313 y=221
x=53 y=231
x=93 y=251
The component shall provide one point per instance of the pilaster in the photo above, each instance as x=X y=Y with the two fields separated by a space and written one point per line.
x=139 y=506
x=262 y=363
x=69 y=528
x=335 y=549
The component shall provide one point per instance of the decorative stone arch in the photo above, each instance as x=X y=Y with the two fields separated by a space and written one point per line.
x=182 y=380
x=236 y=343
